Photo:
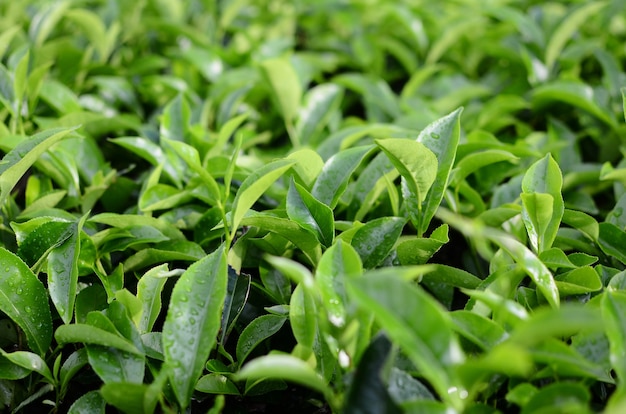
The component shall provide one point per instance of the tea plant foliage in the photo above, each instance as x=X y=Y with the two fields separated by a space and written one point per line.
x=327 y=206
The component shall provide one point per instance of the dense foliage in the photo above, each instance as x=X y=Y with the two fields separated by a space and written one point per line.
x=331 y=206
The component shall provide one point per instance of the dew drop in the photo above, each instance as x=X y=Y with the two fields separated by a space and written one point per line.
x=434 y=135
x=192 y=321
x=28 y=309
x=184 y=298
x=7 y=269
x=618 y=212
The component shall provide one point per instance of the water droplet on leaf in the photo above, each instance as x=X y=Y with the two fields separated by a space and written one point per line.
x=434 y=135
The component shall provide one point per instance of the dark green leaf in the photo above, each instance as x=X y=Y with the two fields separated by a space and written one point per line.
x=193 y=321
x=23 y=298
x=374 y=240
x=310 y=214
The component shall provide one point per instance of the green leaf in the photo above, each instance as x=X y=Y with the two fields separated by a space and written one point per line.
x=442 y=138
x=339 y=262
x=236 y=298
x=578 y=281
x=368 y=392
x=23 y=298
x=561 y=397
x=31 y=362
x=149 y=290
x=89 y=403
x=573 y=93
x=375 y=239
x=256 y=332
x=333 y=180
x=418 y=324
x=14 y=164
x=193 y=321
x=613 y=314
x=215 y=383
x=420 y=250
x=319 y=103
x=612 y=241
x=566 y=29
x=63 y=272
x=303 y=316
x=481 y=331
x=566 y=321
x=88 y=334
x=285 y=367
x=254 y=186
x=310 y=214
x=415 y=163
x=283 y=81
x=542 y=202
x=129 y=397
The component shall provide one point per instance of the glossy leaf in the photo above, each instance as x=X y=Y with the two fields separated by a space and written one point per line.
x=193 y=321
x=542 y=202
x=254 y=186
x=89 y=403
x=256 y=332
x=611 y=241
x=333 y=180
x=63 y=272
x=149 y=290
x=303 y=316
x=310 y=214
x=17 y=161
x=416 y=322
x=339 y=262
x=88 y=334
x=578 y=281
x=217 y=384
x=23 y=298
x=442 y=138
x=31 y=362
x=375 y=239
x=237 y=291
x=285 y=367
x=415 y=162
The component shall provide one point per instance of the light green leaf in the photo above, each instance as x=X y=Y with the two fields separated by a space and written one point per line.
x=303 y=316
x=415 y=163
x=89 y=403
x=254 y=186
x=88 y=334
x=24 y=155
x=567 y=27
x=285 y=86
x=614 y=317
x=542 y=202
x=285 y=367
x=340 y=262
x=442 y=138
x=31 y=362
x=319 y=103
